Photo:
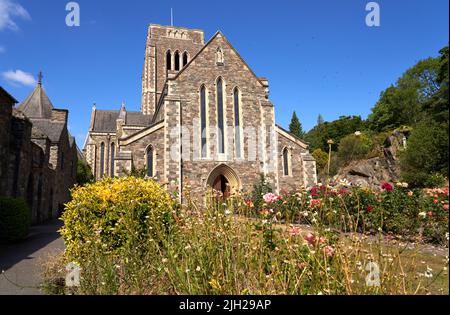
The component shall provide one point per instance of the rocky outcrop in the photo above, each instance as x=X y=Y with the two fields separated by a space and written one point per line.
x=373 y=172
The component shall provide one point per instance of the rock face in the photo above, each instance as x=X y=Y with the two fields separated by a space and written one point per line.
x=373 y=172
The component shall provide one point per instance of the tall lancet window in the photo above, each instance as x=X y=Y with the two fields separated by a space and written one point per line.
x=237 y=123
x=177 y=61
x=220 y=117
x=185 y=59
x=203 y=121
x=286 y=162
x=102 y=159
x=169 y=60
x=150 y=162
x=113 y=159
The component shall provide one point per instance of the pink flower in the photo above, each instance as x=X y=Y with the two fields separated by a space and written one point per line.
x=329 y=251
x=271 y=198
x=446 y=207
x=387 y=186
x=310 y=238
x=436 y=201
x=322 y=240
x=294 y=231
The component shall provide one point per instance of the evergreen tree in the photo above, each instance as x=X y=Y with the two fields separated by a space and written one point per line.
x=320 y=120
x=296 y=127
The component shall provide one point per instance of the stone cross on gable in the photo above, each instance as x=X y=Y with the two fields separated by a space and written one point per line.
x=40 y=76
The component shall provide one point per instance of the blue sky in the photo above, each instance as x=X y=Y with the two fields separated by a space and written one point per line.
x=319 y=56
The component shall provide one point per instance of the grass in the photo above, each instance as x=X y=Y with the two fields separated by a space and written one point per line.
x=215 y=253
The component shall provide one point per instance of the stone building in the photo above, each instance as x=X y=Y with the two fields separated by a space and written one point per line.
x=38 y=155
x=205 y=119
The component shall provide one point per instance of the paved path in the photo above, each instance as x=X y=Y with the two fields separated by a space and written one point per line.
x=21 y=261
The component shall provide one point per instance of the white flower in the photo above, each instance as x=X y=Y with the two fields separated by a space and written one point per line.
x=198 y=269
x=227 y=212
x=423 y=215
x=164 y=260
x=428 y=273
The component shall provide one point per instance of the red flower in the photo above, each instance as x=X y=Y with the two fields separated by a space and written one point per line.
x=387 y=186
x=370 y=209
x=436 y=201
x=315 y=203
x=314 y=192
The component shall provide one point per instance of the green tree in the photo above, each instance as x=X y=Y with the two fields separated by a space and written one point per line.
x=296 y=127
x=427 y=153
x=403 y=103
x=335 y=130
x=320 y=120
x=84 y=173
x=321 y=159
x=354 y=147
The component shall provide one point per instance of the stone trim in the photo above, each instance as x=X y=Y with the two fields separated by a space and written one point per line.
x=285 y=134
x=140 y=135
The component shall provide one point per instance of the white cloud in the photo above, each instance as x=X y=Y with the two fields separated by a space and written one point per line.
x=9 y=10
x=2 y=49
x=19 y=77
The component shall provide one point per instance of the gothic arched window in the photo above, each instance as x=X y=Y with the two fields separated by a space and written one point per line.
x=185 y=59
x=220 y=117
x=169 y=60
x=102 y=159
x=286 y=162
x=177 y=61
x=203 y=121
x=150 y=162
x=237 y=123
x=113 y=159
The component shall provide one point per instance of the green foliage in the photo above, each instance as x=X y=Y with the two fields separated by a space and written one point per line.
x=354 y=147
x=295 y=127
x=15 y=219
x=137 y=172
x=426 y=154
x=259 y=190
x=84 y=173
x=334 y=130
x=403 y=103
x=321 y=159
x=115 y=214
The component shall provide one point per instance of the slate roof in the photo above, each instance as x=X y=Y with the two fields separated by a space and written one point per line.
x=138 y=119
x=5 y=96
x=52 y=129
x=106 y=120
x=37 y=104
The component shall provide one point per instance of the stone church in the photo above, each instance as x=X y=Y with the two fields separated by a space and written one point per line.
x=206 y=121
x=38 y=156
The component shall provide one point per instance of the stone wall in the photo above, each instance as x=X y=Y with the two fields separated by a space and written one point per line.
x=5 y=129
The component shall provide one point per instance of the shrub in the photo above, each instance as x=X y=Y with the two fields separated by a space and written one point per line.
x=426 y=154
x=115 y=214
x=259 y=190
x=84 y=173
x=15 y=219
x=321 y=159
x=353 y=147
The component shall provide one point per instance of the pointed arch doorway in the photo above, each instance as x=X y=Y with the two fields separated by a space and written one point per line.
x=224 y=179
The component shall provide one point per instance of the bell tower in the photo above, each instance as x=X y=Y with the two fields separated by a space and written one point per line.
x=168 y=50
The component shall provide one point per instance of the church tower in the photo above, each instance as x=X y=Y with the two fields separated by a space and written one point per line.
x=167 y=51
